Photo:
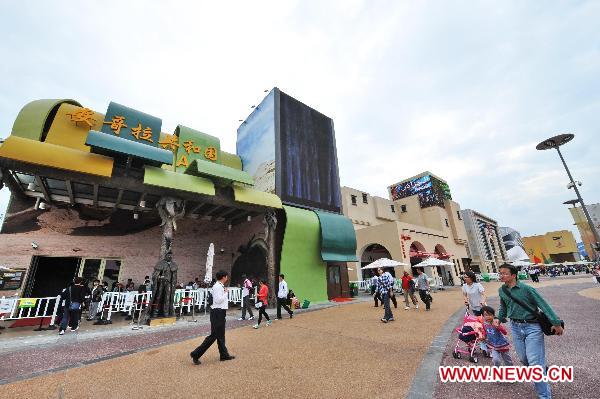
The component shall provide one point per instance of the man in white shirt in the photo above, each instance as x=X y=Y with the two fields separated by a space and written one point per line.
x=246 y=287
x=217 y=321
x=282 y=298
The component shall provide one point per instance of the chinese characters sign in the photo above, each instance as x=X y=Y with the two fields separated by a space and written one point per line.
x=132 y=125
x=192 y=145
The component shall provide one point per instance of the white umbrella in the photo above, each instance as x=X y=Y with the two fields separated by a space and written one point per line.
x=433 y=262
x=520 y=263
x=210 y=255
x=383 y=262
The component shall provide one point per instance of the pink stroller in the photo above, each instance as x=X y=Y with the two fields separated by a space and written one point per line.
x=469 y=337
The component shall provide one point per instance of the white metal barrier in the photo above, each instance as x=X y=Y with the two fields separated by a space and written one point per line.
x=494 y=276
x=364 y=285
x=30 y=308
x=234 y=295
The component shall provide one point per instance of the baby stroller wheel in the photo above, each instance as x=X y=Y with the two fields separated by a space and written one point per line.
x=455 y=355
x=458 y=355
x=473 y=359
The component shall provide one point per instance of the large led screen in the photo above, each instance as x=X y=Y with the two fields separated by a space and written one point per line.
x=256 y=144
x=308 y=171
x=431 y=191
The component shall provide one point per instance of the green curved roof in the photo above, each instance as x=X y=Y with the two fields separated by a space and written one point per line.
x=32 y=118
x=338 y=239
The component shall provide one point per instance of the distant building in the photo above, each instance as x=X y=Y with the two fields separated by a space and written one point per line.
x=485 y=242
x=583 y=226
x=552 y=247
x=513 y=243
x=418 y=221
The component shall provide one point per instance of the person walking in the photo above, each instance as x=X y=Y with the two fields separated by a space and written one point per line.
x=246 y=287
x=385 y=283
x=282 y=298
x=475 y=299
x=408 y=287
x=263 y=294
x=374 y=282
x=423 y=285
x=217 y=321
x=73 y=297
x=473 y=293
x=96 y=297
x=527 y=334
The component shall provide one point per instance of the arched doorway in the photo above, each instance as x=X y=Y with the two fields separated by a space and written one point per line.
x=252 y=262
x=417 y=254
x=370 y=254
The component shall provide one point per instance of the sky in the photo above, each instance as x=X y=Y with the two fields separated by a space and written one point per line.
x=463 y=89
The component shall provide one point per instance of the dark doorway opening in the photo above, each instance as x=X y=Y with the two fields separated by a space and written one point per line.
x=49 y=275
x=252 y=263
x=371 y=254
x=338 y=285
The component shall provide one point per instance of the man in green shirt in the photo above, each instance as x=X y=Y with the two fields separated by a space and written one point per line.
x=527 y=334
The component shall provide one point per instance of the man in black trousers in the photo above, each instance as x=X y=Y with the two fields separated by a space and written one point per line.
x=217 y=321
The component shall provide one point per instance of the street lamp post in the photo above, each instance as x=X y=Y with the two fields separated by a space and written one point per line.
x=555 y=142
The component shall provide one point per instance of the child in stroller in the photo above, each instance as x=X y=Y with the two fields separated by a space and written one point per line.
x=470 y=336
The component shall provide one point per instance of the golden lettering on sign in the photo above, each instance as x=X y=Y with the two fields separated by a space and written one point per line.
x=182 y=161
x=189 y=146
x=116 y=124
x=210 y=153
x=146 y=134
x=170 y=141
x=84 y=115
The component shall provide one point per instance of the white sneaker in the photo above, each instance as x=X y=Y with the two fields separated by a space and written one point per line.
x=251 y=318
x=241 y=318
x=61 y=332
x=416 y=306
x=406 y=307
x=256 y=326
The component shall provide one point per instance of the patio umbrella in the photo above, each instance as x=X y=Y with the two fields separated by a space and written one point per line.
x=520 y=263
x=210 y=255
x=433 y=262
x=383 y=262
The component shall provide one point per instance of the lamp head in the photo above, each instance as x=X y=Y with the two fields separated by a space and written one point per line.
x=555 y=142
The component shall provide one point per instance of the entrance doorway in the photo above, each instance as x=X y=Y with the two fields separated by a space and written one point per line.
x=338 y=285
x=370 y=255
x=252 y=263
x=50 y=275
x=105 y=270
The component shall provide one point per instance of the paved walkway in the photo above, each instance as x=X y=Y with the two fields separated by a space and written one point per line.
x=578 y=347
x=340 y=351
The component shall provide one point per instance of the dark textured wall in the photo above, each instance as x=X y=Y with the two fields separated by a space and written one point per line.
x=309 y=169
x=68 y=232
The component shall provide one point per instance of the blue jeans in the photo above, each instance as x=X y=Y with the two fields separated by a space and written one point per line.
x=498 y=357
x=528 y=339
x=387 y=312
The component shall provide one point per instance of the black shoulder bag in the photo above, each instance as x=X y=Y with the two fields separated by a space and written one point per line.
x=541 y=317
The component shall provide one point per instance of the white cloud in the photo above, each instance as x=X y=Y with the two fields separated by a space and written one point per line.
x=463 y=90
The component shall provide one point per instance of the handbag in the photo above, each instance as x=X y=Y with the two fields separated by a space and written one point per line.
x=258 y=305
x=73 y=305
x=541 y=317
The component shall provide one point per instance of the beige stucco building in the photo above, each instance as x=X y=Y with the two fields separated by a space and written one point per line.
x=417 y=221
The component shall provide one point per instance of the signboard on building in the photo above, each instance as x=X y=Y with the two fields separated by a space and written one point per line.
x=11 y=280
x=431 y=191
